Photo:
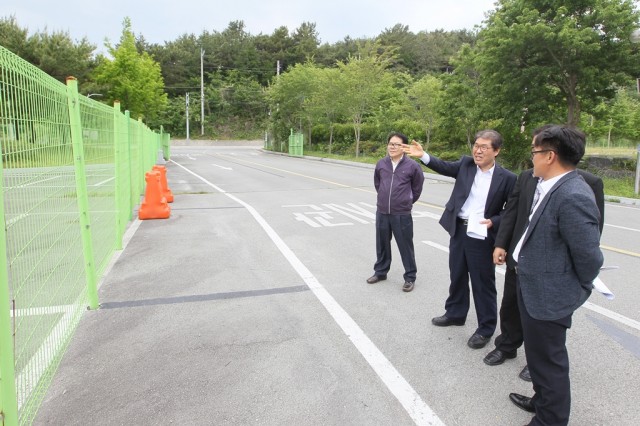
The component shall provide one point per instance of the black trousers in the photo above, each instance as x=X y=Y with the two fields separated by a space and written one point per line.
x=548 y=361
x=472 y=258
x=510 y=338
x=399 y=227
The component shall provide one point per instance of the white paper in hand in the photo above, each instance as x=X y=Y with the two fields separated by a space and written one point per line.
x=475 y=229
x=601 y=288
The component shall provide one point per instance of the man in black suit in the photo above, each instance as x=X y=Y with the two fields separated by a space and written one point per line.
x=512 y=227
x=558 y=257
x=472 y=217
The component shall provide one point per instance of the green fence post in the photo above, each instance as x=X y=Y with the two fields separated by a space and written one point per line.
x=141 y=149
x=161 y=143
x=8 y=397
x=127 y=117
x=166 y=153
x=81 y=189
x=300 y=144
x=117 y=145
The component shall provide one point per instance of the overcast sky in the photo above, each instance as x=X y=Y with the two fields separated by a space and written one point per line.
x=162 y=20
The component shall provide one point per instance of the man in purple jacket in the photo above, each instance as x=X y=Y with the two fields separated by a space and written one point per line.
x=398 y=180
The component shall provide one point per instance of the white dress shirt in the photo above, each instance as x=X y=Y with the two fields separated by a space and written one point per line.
x=544 y=187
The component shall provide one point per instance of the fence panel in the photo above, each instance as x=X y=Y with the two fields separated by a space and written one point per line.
x=296 y=141
x=44 y=274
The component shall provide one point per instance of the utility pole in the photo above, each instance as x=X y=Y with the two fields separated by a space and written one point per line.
x=278 y=68
x=187 y=114
x=201 y=92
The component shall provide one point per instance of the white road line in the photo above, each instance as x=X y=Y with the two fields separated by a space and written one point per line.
x=104 y=181
x=40 y=310
x=417 y=409
x=622 y=227
x=30 y=375
x=612 y=315
x=588 y=305
x=24 y=185
x=222 y=167
x=16 y=219
x=620 y=206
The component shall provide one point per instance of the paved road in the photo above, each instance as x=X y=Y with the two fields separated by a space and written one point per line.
x=249 y=306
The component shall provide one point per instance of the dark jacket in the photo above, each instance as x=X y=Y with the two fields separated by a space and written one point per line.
x=464 y=171
x=516 y=214
x=399 y=189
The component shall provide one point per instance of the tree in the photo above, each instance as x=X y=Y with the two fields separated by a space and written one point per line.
x=57 y=55
x=405 y=45
x=14 y=38
x=289 y=98
x=132 y=78
x=306 y=41
x=329 y=55
x=426 y=95
x=273 y=48
x=435 y=49
x=180 y=63
x=462 y=99
x=619 y=118
x=364 y=78
x=558 y=51
x=326 y=105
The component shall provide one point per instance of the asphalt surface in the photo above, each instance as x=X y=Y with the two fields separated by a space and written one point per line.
x=249 y=306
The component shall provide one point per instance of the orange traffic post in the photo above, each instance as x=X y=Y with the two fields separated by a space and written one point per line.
x=154 y=205
x=163 y=182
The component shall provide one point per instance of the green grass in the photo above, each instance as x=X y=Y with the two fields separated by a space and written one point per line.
x=620 y=187
x=611 y=152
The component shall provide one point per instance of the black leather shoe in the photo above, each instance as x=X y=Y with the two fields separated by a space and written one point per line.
x=408 y=286
x=523 y=402
x=524 y=374
x=375 y=278
x=497 y=357
x=443 y=321
x=478 y=341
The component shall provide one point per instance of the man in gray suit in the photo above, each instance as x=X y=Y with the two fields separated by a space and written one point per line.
x=513 y=224
x=558 y=257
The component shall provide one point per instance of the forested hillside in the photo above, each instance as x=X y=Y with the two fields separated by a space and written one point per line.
x=529 y=63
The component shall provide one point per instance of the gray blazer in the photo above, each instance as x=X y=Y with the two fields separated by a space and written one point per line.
x=560 y=256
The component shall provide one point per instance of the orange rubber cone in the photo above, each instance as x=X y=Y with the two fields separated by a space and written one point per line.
x=154 y=205
x=163 y=183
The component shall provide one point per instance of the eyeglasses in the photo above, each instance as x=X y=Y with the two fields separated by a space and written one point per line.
x=481 y=148
x=394 y=145
x=533 y=153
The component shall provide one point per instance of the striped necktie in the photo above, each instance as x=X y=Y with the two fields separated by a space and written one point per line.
x=536 y=197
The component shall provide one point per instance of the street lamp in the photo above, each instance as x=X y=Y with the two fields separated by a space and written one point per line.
x=93 y=94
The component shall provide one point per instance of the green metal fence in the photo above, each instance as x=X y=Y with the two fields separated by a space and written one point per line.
x=73 y=172
x=296 y=141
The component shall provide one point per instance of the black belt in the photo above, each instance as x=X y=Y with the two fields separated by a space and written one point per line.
x=463 y=221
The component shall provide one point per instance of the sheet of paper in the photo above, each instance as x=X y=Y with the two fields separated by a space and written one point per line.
x=475 y=229
x=601 y=288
